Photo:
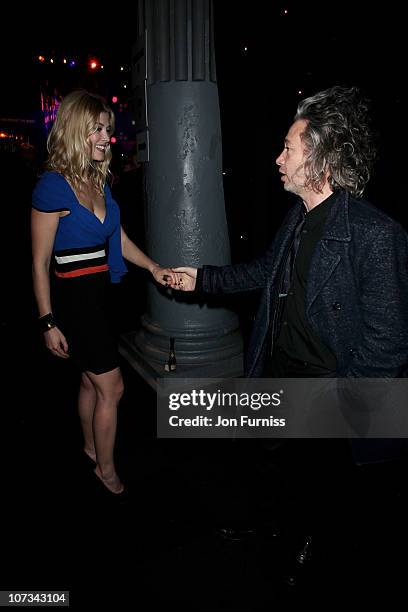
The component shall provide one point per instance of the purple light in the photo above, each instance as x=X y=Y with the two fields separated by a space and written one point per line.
x=72 y=63
x=49 y=107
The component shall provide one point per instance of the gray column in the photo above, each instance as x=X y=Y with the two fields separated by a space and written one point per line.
x=180 y=132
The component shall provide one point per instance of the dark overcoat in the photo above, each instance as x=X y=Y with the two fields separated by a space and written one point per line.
x=357 y=289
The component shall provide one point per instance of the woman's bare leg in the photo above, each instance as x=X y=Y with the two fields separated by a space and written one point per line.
x=86 y=410
x=109 y=390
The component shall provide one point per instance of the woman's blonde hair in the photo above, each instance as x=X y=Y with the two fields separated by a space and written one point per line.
x=69 y=151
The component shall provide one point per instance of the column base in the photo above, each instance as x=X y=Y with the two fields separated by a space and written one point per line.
x=153 y=369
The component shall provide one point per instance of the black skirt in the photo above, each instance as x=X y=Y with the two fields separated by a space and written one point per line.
x=81 y=307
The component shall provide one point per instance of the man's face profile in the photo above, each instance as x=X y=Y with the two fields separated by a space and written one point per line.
x=291 y=160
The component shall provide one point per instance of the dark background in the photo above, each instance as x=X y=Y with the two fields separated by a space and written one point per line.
x=312 y=47
x=289 y=56
x=58 y=532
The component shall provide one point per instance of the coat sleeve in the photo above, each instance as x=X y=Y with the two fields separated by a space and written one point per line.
x=383 y=347
x=254 y=275
x=239 y=277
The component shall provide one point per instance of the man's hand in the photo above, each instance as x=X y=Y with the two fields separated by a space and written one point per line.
x=186 y=278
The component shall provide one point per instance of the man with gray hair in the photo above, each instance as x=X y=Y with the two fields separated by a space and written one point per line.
x=334 y=282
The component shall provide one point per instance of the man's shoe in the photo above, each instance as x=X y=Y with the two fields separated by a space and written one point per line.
x=235 y=534
x=298 y=562
x=304 y=554
x=240 y=533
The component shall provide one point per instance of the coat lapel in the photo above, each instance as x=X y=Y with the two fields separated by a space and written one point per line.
x=285 y=236
x=326 y=256
x=324 y=262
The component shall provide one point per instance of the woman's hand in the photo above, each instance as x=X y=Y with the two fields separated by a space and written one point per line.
x=164 y=276
x=56 y=342
x=186 y=278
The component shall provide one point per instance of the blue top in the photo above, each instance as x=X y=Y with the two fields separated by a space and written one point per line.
x=81 y=228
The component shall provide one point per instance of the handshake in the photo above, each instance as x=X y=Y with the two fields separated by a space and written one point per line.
x=181 y=279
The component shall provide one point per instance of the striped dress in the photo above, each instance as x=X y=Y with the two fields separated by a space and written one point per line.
x=87 y=257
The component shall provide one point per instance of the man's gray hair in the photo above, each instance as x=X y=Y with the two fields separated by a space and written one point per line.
x=338 y=139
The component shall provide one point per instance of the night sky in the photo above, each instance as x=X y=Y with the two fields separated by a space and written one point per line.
x=308 y=49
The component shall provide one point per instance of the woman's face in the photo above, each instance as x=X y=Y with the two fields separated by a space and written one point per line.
x=100 y=139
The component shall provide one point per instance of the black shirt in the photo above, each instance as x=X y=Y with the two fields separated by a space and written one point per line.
x=296 y=338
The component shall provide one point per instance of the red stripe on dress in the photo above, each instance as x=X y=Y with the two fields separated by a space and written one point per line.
x=83 y=271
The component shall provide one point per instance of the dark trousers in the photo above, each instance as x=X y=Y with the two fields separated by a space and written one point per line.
x=315 y=471
x=280 y=365
x=333 y=480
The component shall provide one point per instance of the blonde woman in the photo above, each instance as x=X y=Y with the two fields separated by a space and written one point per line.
x=76 y=232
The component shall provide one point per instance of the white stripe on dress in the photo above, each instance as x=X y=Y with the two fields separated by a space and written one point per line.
x=80 y=257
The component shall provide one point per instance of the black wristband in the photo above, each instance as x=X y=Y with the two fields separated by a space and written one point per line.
x=46 y=322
